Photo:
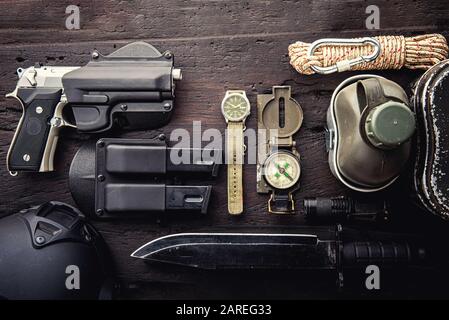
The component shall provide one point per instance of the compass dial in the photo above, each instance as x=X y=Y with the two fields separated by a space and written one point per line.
x=282 y=170
x=235 y=107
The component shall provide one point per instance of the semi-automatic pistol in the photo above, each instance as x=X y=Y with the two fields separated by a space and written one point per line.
x=132 y=88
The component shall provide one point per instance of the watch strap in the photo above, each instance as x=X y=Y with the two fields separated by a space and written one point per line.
x=235 y=157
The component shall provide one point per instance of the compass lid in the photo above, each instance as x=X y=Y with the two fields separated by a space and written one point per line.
x=281 y=112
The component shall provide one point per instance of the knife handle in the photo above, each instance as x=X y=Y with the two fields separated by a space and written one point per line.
x=385 y=254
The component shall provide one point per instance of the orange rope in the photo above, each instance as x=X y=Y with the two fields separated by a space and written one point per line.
x=421 y=52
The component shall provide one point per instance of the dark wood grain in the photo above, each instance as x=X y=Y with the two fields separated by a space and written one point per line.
x=219 y=45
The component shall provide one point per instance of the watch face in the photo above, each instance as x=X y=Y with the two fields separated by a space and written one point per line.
x=235 y=107
x=282 y=170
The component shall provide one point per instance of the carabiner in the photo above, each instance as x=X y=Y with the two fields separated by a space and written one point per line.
x=345 y=65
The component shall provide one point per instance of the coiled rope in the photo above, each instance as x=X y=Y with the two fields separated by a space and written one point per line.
x=420 y=52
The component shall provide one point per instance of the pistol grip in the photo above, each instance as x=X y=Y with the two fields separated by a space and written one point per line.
x=34 y=142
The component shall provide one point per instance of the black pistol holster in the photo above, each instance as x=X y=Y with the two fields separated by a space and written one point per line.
x=132 y=88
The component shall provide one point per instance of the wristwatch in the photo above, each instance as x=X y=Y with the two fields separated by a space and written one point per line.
x=235 y=108
x=278 y=166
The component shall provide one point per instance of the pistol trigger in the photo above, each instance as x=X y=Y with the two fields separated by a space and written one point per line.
x=59 y=122
x=58 y=119
x=68 y=124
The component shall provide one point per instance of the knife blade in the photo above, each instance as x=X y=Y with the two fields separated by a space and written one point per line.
x=242 y=251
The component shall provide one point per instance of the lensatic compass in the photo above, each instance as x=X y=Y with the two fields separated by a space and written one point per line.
x=278 y=164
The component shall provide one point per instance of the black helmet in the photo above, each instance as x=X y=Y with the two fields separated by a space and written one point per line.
x=51 y=252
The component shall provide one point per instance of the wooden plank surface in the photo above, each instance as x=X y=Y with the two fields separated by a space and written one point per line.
x=219 y=45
